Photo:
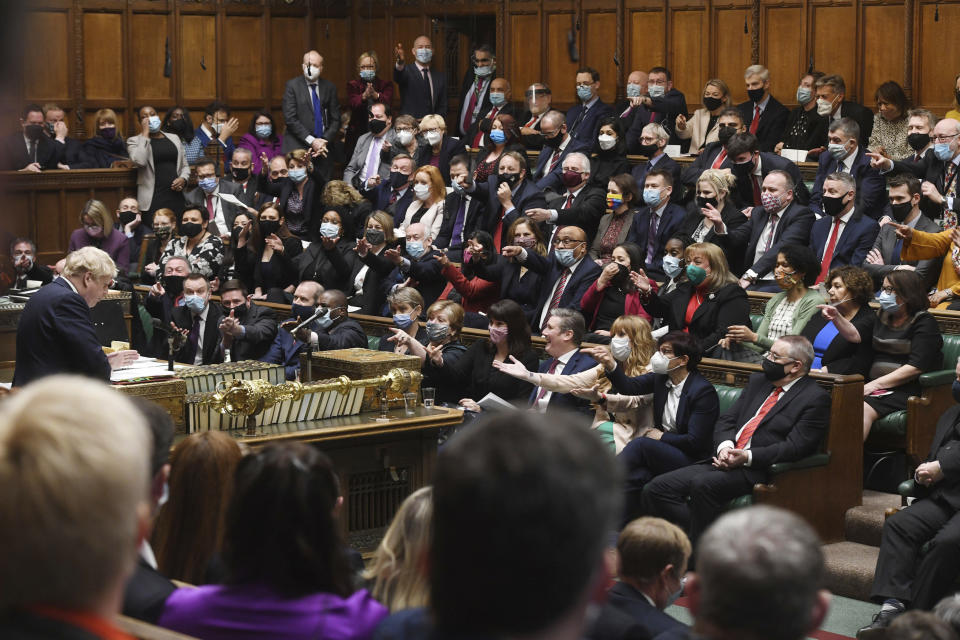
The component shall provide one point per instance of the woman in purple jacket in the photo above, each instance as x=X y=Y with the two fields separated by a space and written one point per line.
x=288 y=576
x=97 y=230
x=261 y=138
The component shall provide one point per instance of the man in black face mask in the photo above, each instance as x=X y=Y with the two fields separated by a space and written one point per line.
x=781 y=416
x=246 y=330
x=508 y=195
x=240 y=176
x=653 y=140
x=394 y=194
x=165 y=295
x=765 y=115
x=884 y=257
x=557 y=143
x=714 y=154
x=843 y=235
x=751 y=166
x=366 y=170
x=29 y=150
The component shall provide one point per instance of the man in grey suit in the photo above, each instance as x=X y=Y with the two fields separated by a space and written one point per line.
x=206 y=197
x=366 y=165
x=904 y=193
x=310 y=109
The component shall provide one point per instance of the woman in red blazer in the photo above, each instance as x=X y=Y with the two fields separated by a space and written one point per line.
x=615 y=292
x=364 y=91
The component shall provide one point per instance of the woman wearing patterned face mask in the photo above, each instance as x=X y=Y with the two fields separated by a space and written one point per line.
x=614 y=227
x=298 y=195
x=97 y=230
x=611 y=153
x=330 y=261
x=267 y=257
x=504 y=136
x=162 y=164
x=444 y=322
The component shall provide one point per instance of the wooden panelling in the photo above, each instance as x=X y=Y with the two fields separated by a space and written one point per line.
x=288 y=37
x=732 y=54
x=244 y=61
x=599 y=47
x=149 y=33
x=198 y=57
x=882 y=47
x=937 y=50
x=103 y=55
x=835 y=45
x=46 y=70
x=406 y=29
x=781 y=50
x=523 y=55
x=332 y=41
x=644 y=40
x=688 y=62
x=561 y=71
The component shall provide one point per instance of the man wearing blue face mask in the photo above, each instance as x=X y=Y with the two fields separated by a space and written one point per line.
x=474 y=91
x=206 y=197
x=422 y=89
x=417 y=266
x=583 y=119
x=845 y=155
x=938 y=170
x=197 y=321
x=499 y=98
x=662 y=104
x=657 y=221
x=216 y=125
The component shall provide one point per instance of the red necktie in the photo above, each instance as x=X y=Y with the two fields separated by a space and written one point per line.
x=490 y=116
x=210 y=210
x=555 y=160
x=543 y=390
x=773 y=230
x=561 y=285
x=747 y=432
x=498 y=231
x=471 y=107
x=566 y=205
x=755 y=123
x=720 y=158
x=757 y=200
x=828 y=253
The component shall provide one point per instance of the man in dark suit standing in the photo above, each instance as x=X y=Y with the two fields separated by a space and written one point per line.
x=845 y=155
x=474 y=91
x=499 y=96
x=581 y=204
x=656 y=222
x=781 y=416
x=583 y=119
x=662 y=104
x=831 y=103
x=750 y=166
x=563 y=333
x=905 y=575
x=55 y=333
x=843 y=235
x=626 y=108
x=765 y=114
x=508 y=195
x=422 y=89
x=29 y=150
x=557 y=143
x=310 y=109
x=653 y=556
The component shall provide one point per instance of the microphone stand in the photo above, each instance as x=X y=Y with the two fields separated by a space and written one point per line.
x=316 y=314
x=171 y=338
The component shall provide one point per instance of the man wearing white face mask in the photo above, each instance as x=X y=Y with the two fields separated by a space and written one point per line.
x=832 y=104
x=423 y=90
x=417 y=266
x=474 y=96
x=216 y=125
x=310 y=109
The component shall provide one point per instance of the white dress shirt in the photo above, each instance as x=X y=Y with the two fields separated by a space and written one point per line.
x=541 y=405
x=729 y=444
x=669 y=419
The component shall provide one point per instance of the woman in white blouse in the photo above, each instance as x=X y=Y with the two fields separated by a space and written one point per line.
x=702 y=128
x=429 y=194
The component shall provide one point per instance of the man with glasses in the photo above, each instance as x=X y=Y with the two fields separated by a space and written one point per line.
x=55 y=333
x=781 y=416
x=938 y=170
x=662 y=104
x=538 y=100
x=580 y=204
x=474 y=91
x=583 y=119
x=846 y=155
x=557 y=143
x=566 y=275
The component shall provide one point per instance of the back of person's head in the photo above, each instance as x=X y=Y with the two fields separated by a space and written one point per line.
x=281 y=529
x=523 y=504
x=647 y=545
x=189 y=528
x=74 y=461
x=759 y=573
x=160 y=425
x=398 y=568
x=948 y=610
x=919 y=625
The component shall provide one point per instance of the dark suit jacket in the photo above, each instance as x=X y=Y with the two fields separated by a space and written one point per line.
x=665 y=162
x=551 y=179
x=720 y=309
x=212 y=351
x=586 y=274
x=768 y=163
x=55 y=334
x=578 y=362
x=703 y=162
x=298 y=112
x=526 y=196
x=70 y=153
x=793 y=228
x=633 y=603
x=946 y=449
x=585 y=211
x=871 y=187
x=334 y=269
x=415 y=92
x=286 y=349
x=198 y=198
x=613 y=624
x=842 y=356
x=381 y=202
x=586 y=129
x=474 y=216
x=792 y=429
x=15 y=157
x=426 y=274
x=665 y=110
x=449 y=147
x=854 y=244
x=483 y=123
x=730 y=214
x=466 y=90
x=886 y=244
x=311 y=199
x=696 y=411
x=772 y=121
x=247 y=195
x=524 y=290
x=670 y=223
x=862 y=115
x=146 y=593
x=931 y=169
x=261 y=328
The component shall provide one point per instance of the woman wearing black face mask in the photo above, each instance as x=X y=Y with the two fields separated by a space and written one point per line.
x=269 y=257
x=615 y=293
x=107 y=145
x=202 y=249
x=476 y=294
x=163 y=230
x=701 y=128
x=713 y=203
x=364 y=286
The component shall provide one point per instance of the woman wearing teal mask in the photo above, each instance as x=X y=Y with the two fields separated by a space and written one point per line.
x=267 y=257
x=504 y=136
x=363 y=90
x=622 y=198
x=298 y=195
x=706 y=304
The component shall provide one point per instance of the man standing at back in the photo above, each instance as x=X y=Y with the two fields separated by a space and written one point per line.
x=310 y=109
x=422 y=89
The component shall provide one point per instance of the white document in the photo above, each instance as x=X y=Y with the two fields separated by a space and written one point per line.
x=493 y=402
x=794 y=155
x=232 y=199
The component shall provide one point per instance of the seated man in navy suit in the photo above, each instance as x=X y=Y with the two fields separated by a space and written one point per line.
x=557 y=143
x=843 y=235
x=583 y=119
x=333 y=329
x=781 y=416
x=394 y=195
x=416 y=266
x=563 y=333
x=656 y=222
x=566 y=273
x=580 y=204
x=653 y=142
x=653 y=556
x=714 y=155
x=845 y=155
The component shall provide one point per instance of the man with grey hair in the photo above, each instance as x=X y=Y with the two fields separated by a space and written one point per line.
x=844 y=235
x=240 y=175
x=831 y=92
x=581 y=204
x=764 y=115
x=654 y=139
x=759 y=573
x=845 y=154
x=782 y=415
x=55 y=333
x=557 y=144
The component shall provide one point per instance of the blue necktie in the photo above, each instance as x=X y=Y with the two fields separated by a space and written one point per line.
x=317 y=113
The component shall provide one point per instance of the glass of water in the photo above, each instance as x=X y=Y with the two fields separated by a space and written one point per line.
x=429 y=394
x=410 y=403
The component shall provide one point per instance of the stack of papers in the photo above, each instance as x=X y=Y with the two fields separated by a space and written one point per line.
x=144 y=368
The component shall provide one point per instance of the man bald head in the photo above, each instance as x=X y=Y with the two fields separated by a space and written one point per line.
x=312 y=65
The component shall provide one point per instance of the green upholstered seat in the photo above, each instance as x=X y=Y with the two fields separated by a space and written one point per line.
x=755 y=320
x=373 y=342
x=728 y=395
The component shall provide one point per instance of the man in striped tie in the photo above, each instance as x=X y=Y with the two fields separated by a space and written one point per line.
x=781 y=416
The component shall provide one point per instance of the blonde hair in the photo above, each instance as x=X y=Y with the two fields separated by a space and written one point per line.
x=719 y=84
x=406 y=295
x=720 y=274
x=722 y=180
x=96 y=262
x=398 y=568
x=168 y=214
x=301 y=157
x=647 y=545
x=437 y=189
x=642 y=346
x=454 y=314
x=100 y=215
x=338 y=193
x=433 y=120
x=74 y=485
x=369 y=54
x=102 y=116
x=386 y=222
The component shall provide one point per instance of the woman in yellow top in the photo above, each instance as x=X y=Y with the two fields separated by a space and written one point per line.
x=920 y=245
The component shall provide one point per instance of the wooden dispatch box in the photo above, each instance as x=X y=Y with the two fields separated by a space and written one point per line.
x=357 y=364
x=169 y=393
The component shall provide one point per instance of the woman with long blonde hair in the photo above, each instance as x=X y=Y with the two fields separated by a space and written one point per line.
x=631 y=345
x=398 y=570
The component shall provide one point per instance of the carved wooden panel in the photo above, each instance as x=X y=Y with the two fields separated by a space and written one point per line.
x=244 y=58
x=332 y=40
x=288 y=43
x=198 y=57
x=937 y=49
x=599 y=47
x=883 y=34
x=732 y=52
x=149 y=32
x=561 y=71
x=835 y=44
x=46 y=71
x=103 y=56
x=688 y=55
x=523 y=54
x=644 y=41
x=782 y=47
